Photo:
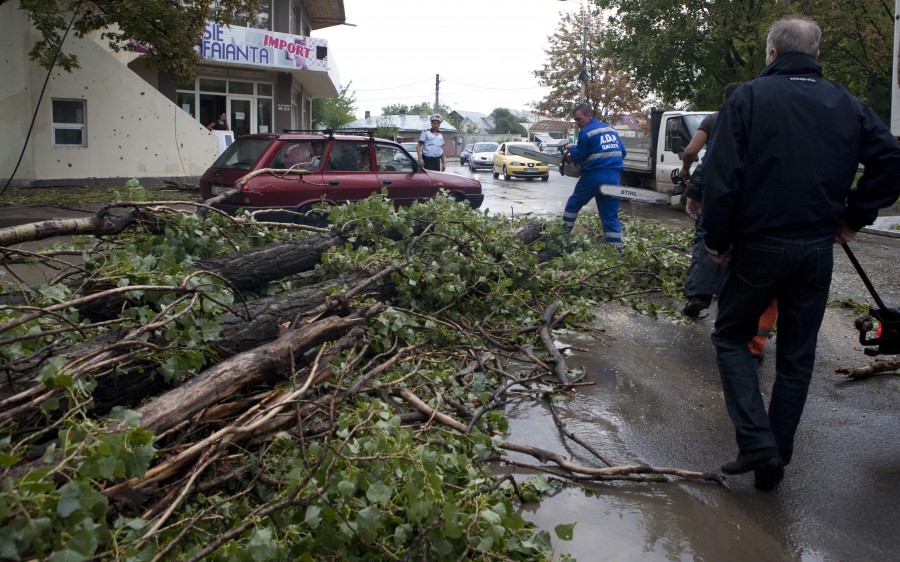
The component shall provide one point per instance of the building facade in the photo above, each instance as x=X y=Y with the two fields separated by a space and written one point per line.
x=114 y=119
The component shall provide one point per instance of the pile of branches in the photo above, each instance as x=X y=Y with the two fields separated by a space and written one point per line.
x=196 y=386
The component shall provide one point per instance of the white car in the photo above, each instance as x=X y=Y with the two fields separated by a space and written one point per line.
x=411 y=148
x=482 y=155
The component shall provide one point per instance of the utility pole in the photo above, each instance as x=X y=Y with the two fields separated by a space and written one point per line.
x=582 y=76
x=437 y=91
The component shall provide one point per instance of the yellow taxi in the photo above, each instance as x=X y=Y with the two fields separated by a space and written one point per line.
x=512 y=166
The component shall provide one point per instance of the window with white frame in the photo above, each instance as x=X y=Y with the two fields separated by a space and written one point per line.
x=68 y=123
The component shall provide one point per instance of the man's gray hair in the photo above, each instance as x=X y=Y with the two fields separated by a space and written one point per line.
x=794 y=34
x=584 y=109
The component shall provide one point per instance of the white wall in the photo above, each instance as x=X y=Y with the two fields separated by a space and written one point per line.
x=132 y=130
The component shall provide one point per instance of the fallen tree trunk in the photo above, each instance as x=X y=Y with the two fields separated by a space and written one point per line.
x=256 y=267
x=227 y=377
x=100 y=224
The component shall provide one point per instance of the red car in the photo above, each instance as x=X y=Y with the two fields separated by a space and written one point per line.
x=332 y=168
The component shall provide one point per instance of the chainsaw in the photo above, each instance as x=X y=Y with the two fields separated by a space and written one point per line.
x=574 y=170
x=887 y=333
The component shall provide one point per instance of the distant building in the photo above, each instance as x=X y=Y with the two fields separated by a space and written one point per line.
x=114 y=118
x=627 y=125
x=472 y=122
x=409 y=127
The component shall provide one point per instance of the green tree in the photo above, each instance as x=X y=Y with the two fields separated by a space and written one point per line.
x=396 y=108
x=610 y=91
x=856 y=46
x=506 y=122
x=386 y=130
x=334 y=113
x=686 y=52
x=168 y=30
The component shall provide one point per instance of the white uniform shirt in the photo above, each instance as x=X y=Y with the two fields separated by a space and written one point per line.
x=434 y=144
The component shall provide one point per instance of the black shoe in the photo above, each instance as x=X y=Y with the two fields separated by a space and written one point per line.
x=768 y=477
x=695 y=306
x=751 y=460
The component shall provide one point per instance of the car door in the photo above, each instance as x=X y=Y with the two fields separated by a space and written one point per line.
x=292 y=189
x=499 y=158
x=348 y=174
x=401 y=176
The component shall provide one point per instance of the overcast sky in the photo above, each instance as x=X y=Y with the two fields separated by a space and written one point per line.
x=484 y=51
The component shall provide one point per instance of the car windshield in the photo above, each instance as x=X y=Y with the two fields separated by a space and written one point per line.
x=485 y=147
x=692 y=122
x=242 y=154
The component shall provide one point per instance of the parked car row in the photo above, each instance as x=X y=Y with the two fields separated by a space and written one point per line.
x=465 y=154
x=327 y=168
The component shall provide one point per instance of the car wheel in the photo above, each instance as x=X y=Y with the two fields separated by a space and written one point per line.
x=471 y=166
x=545 y=178
x=496 y=175
x=506 y=175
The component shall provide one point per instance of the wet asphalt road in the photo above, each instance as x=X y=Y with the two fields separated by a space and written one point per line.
x=657 y=400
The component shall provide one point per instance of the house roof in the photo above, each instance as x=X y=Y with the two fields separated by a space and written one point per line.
x=401 y=122
x=551 y=126
x=479 y=120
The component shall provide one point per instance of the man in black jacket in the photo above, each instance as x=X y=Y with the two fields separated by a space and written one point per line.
x=777 y=196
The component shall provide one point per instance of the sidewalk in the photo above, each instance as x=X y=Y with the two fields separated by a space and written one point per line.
x=885 y=226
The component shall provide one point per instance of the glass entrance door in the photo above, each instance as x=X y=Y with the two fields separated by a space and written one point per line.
x=242 y=116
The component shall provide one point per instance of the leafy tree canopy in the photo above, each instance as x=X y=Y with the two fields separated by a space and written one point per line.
x=611 y=91
x=506 y=122
x=334 y=113
x=396 y=108
x=169 y=30
x=686 y=52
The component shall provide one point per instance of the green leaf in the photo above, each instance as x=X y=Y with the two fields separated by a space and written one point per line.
x=565 y=532
x=261 y=546
x=379 y=493
x=66 y=556
x=313 y=516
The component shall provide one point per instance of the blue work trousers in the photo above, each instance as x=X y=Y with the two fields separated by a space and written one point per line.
x=704 y=277
x=798 y=274
x=587 y=188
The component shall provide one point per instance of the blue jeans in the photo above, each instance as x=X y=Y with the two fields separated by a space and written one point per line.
x=704 y=276
x=587 y=188
x=798 y=274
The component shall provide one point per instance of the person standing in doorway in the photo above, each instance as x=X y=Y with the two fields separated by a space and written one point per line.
x=600 y=154
x=776 y=197
x=220 y=124
x=431 y=146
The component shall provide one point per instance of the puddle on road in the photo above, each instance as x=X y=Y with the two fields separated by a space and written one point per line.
x=680 y=520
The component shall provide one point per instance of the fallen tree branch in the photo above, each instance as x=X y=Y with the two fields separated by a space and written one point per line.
x=611 y=472
x=560 y=369
x=878 y=367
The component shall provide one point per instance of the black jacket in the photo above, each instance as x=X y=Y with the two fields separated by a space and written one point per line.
x=785 y=152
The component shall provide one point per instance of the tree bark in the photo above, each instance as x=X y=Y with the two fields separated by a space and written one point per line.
x=227 y=377
x=101 y=223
